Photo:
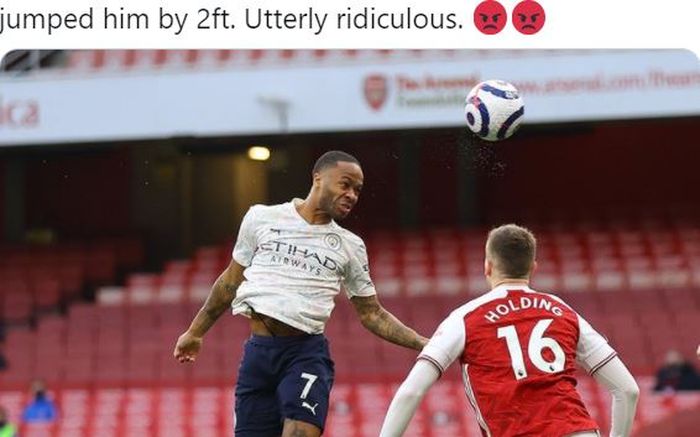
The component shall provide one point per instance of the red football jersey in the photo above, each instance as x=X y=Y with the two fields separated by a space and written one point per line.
x=518 y=350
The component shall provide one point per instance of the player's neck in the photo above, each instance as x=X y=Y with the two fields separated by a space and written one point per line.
x=495 y=282
x=311 y=213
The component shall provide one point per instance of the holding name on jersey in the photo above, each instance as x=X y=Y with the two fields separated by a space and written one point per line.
x=494 y=110
x=522 y=303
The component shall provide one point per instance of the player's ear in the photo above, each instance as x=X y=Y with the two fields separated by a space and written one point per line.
x=534 y=267
x=488 y=267
x=316 y=179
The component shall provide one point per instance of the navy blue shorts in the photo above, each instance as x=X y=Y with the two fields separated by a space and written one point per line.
x=282 y=378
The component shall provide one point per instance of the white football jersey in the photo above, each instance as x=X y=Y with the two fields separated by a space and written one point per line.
x=295 y=269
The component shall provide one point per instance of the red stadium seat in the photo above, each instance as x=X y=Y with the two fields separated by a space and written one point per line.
x=17 y=302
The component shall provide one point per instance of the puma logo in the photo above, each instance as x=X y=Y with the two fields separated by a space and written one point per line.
x=312 y=409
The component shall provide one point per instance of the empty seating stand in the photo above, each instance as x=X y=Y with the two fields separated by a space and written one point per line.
x=38 y=279
x=112 y=366
x=638 y=285
x=356 y=410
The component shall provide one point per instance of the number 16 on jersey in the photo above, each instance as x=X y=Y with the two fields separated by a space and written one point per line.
x=536 y=345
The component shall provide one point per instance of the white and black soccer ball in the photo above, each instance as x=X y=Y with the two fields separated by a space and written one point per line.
x=494 y=110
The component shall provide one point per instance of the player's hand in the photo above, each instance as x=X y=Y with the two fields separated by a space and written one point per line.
x=187 y=348
x=423 y=341
x=698 y=352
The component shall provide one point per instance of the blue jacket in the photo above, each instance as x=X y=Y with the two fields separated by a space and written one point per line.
x=41 y=410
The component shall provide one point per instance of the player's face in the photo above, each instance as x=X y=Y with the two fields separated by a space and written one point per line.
x=340 y=189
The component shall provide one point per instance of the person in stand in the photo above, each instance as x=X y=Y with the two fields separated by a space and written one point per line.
x=41 y=409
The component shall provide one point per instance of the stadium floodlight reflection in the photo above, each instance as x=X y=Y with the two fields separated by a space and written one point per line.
x=259 y=153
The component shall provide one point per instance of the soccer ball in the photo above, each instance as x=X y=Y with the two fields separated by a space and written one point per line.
x=494 y=110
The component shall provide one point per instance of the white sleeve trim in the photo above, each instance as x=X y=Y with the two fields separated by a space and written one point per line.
x=447 y=344
x=605 y=361
x=625 y=392
x=366 y=291
x=432 y=361
x=592 y=350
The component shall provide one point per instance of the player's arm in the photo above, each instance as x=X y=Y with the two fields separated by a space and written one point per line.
x=408 y=397
x=446 y=345
x=222 y=292
x=382 y=323
x=219 y=300
x=596 y=356
x=625 y=393
x=360 y=289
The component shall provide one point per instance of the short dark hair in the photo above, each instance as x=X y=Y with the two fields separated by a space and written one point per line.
x=331 y=159
x=512 y=249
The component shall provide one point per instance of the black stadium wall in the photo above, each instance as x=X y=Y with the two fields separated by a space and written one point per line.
x=180 y=193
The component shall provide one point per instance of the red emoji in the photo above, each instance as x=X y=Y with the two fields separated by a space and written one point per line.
x=490 y=17
x=528 y=17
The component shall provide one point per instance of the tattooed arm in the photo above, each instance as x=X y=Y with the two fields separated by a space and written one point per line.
x=383 y=324
x=219 y=300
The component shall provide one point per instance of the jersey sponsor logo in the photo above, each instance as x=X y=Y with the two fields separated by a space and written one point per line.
x=295 y=263
x=297 y=256
x=332 y=241
x=309 y=407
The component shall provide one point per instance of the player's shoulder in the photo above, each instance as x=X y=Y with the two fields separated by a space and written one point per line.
x=554 y=297
x=559 y=300
x=354 y=240
x=474 y=304
x=260 y=210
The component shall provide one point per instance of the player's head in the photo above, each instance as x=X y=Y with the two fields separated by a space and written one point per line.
x=510 y=253
x=337 y=178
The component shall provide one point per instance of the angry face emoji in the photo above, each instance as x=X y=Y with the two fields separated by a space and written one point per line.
x=490 y=17
x=528 y=17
